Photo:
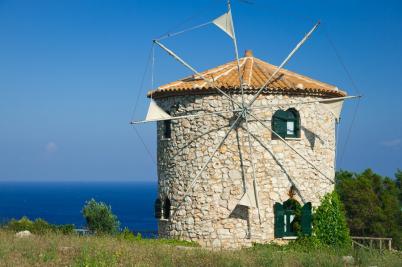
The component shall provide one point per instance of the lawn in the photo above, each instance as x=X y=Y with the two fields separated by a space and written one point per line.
x=72 y=250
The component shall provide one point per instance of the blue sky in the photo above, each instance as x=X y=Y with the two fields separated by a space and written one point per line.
x=70 y=73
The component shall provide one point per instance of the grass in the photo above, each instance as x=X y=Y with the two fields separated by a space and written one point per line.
x=70 y=250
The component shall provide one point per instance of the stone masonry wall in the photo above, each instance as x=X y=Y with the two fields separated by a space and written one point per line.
x=209 y=214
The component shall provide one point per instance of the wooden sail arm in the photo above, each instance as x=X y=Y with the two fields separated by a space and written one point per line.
x=305 y=38
x=210 y=82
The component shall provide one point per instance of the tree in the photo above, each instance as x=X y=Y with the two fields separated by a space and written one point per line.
x=361 y=202
x=99 y=217
x=372 y=204
x=398 y=176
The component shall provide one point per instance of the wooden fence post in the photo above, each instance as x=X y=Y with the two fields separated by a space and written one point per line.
x=371 y=242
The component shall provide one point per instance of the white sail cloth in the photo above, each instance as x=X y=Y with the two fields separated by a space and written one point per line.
x=248 y=198
x=225 y=23
x=156 y=113
x=334 y=106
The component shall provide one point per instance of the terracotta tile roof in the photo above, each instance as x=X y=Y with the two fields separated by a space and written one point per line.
x=254 y=73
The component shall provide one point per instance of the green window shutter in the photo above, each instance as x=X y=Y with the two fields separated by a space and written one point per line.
x=279 y=123
x=306 y=219
x=158 y=208
x=278 y=224
x=297 y=128
x=296 y=119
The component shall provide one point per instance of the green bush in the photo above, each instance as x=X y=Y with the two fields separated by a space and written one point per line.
x=99 y=218
x=329 y=222
x=305 y=243
x=126 y=234
x=39 y=226
x=19 y=225
x=66 y=228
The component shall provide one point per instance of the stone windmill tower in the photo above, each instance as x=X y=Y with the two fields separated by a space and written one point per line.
x=245 y=150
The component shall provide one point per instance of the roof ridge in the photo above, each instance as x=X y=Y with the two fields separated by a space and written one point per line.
x=247 y=71
x=301 y=76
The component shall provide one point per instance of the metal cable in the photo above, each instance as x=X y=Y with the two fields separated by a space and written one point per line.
x=354 y=86
x=207 y=8
x=142 y=84
x=183 y=31
x=349 y=131
x=145 y=146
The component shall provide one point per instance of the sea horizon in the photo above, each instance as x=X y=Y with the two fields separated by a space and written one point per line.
x=61 y=202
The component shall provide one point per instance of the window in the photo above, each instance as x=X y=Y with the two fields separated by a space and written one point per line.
x=167 y=128
x=162 y=210
x=158 y=208
x=286 y=123
x=291 y=219
x=166 y=208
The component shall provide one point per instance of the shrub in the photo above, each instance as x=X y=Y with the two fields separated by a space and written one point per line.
x=39 y=226
x=19 y=225
x=126 y=234
x=66 y=229
x=329 y=222
x=99 y=217
x=305 y=243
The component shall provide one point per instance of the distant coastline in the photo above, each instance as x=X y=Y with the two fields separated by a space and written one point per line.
x=60 y=202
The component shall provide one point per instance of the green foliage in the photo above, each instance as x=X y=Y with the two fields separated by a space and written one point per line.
x=39 y=226
x=126 y=234
x=329 y=222
x=304 y=252
x=372 y=204
x=19 y=225
x=66 y=228
x=175 y=242
x=73 y=250
x=99 y=218
x=398 y=176
x=92 y=257
x=306 y=243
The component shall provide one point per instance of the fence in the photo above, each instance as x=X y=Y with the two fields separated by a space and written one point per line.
x=372 y=242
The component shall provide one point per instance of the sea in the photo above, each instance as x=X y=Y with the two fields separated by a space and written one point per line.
x=62 y=202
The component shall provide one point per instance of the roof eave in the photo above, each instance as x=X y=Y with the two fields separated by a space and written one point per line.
x=318 y=92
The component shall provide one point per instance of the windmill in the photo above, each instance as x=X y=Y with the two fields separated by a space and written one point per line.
x=240 y=146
